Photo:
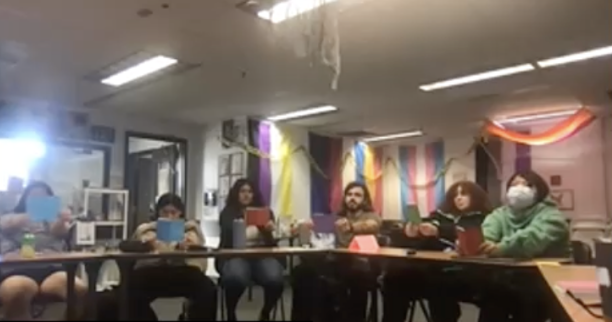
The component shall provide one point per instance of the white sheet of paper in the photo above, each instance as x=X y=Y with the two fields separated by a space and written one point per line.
x=85 y=233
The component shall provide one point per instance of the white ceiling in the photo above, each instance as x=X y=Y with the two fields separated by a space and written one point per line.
x=389 y=48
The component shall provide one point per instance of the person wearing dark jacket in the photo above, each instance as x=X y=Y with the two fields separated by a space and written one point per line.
x=239 y=273
x=465 y=204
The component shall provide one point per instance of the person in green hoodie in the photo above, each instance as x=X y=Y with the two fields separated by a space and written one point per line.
x=529 y=226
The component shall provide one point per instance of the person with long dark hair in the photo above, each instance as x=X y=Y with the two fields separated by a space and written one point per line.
x=19 y=286
x=160 y=278
x=465 y=204
x=239 y=273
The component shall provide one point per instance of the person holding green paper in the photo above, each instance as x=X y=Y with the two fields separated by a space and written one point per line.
x=465 y=204
x=18 y=287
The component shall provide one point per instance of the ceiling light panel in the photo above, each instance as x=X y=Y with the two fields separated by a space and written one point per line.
x=394 y=136
x=303 y=113
x=492 y=74
x=139 y=70
x=576 y=57
x=291 y=8
x=535 y=117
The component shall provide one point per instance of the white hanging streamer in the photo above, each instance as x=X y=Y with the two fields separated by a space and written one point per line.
x=314 y=35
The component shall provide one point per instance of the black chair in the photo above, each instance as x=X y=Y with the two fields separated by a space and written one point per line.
x=582 y=254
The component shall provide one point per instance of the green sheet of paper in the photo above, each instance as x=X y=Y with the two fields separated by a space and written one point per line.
x=414 y=216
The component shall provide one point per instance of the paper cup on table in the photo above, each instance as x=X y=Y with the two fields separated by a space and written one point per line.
x=239 y=238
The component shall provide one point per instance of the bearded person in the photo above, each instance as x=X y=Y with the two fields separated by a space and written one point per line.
x=336 y=289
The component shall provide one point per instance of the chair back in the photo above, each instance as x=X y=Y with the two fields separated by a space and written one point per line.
x=582 y=254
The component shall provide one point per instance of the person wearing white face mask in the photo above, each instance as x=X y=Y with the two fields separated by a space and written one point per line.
x=529 y=226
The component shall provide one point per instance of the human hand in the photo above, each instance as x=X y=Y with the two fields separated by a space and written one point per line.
x=20 y=220
x=343 y=225
x=270 y=226
x=428 y=230
x=64 y=216
x=411 y=230
x=489 y=248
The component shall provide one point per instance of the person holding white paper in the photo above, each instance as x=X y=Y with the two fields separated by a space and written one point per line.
x=159 y=278
x=19 y=286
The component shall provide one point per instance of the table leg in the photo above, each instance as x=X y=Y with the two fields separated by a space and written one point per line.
x=125 y=269
x=93 y=271
x=71 y=300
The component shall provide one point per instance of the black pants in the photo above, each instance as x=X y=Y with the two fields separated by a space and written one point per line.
x=150 y=283
x=330 y=290
x=500 y=299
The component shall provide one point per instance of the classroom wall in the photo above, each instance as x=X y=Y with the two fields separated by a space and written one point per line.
x=578 y=161
x=290 y=175
x=124 y=122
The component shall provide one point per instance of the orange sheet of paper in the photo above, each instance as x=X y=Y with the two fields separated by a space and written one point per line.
x=364 y=244
x=257 y=217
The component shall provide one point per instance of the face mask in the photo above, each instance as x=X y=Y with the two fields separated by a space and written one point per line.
x=520 y=197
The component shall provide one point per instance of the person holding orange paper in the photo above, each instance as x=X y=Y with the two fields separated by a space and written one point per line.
x=238 y=273
x=465 y=206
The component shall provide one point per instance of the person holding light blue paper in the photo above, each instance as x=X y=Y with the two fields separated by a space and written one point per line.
x=38 y=220
x=160 y=278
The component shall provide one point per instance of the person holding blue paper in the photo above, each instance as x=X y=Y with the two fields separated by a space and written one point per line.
x=159 y=278
x=49 y=228
x=239 y=273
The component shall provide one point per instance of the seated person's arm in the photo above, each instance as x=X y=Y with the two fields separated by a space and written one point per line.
x=10 y=222
x=61 y=227
x=145 y=232
x=530 y=242
x=193 y=234
x=367 y=226
x=492 y=227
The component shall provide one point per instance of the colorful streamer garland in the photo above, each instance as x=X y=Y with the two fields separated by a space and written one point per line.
x=558 y=132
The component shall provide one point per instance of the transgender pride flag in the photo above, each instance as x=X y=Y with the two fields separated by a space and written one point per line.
x=419 y=165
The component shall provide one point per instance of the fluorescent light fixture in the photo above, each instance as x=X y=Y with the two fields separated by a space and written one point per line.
x=535 y=117
x=139 y=70
x=303 y=113
x=290 y=8
x=572 y=58
x=478 y=77
x=395 y=136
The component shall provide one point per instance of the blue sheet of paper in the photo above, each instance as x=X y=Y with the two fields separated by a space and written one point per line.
x=170 y=230
x=42 y=209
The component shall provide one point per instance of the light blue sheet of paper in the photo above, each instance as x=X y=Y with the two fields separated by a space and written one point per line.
x=170 y=230
x=42 y=209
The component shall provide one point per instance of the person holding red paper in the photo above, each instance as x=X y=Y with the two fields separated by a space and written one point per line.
x=239 y=273
x=465 y=206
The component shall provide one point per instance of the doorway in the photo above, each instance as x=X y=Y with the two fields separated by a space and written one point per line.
x=154 y=165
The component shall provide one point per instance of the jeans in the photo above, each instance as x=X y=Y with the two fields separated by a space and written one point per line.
x=238 y=273
x=150 y=283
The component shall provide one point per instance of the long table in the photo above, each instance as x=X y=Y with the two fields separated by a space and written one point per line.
x=570 y=309
x=125 y=261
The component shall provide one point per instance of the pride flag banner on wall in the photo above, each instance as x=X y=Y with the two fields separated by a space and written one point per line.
x=368 y=170
x=419 y=164
x=325 y=191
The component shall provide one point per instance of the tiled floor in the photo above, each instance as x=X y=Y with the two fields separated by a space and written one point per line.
x=169 y=309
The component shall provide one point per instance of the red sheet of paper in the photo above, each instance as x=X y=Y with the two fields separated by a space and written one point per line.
x=365 y=244
x=469 y=240
x=579 y=286
x=257 y=217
